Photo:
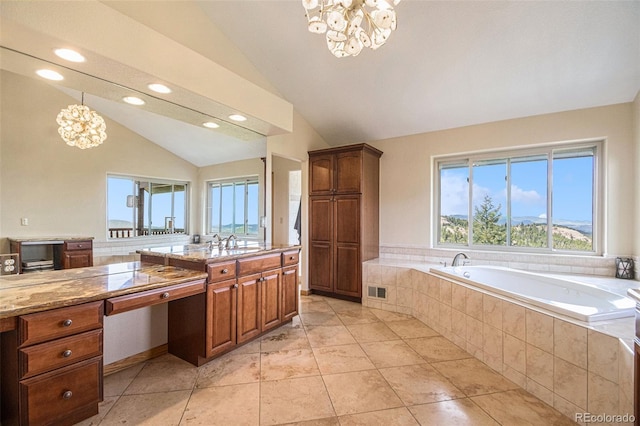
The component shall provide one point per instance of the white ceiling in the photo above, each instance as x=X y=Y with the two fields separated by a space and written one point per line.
x=449 y=63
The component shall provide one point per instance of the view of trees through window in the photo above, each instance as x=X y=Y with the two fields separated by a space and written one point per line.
x=232 y=207
x=515 y=200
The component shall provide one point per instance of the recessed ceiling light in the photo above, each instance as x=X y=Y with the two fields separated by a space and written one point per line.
x=69 y=55
x=238 y=117
x=211 y=125
x=159 y=88
x=133 y=100
x=50 y=75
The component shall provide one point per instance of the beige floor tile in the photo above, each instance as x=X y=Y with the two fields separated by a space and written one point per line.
x=288 y=364
x=394 y=416
x=420 y=384
x=519 y=407
x=283 y=339
x=320 y=318
x=360 y=316
x=329 y=421
x=321 y=306
x=164 y=374
x=332 y=335
x=103 y=409
x=392 y=353
x=411 y=329
x=437 y=348
x=388 y=316
x=294 y=400
x=360 y=392
x=459 y=412
x=152 y=409
x=230 y=369
x=341 y=359
x=224 y=405
x=248 y=348
x=339 y=305
x=473 y=377
x=116 y=383
x=374 y=332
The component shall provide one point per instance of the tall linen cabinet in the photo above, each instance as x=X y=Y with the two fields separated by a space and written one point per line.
x=343 y=218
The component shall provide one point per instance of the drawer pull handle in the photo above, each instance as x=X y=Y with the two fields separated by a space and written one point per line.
x=67 y=395
x=79 y=245
x=164 y=295
x=291 y=258
x=225 y=271
x=67 y=323
x=235 y=286
x=67 y=353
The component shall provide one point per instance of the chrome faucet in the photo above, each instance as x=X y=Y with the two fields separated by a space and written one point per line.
x=230 y=244
x=218 y=241
x=456 y=259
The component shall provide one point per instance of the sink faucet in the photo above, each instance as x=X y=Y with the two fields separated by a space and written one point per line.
x=456 y=259
x=231 y=244
x=218 y=241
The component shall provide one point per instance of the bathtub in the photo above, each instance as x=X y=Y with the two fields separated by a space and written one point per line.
x=577 y=300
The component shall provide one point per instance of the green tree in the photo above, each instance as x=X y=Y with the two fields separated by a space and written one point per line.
x=486 y=224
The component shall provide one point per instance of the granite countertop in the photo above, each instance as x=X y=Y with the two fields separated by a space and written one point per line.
x=40 y=291
x=202 y=252
x=47 y=239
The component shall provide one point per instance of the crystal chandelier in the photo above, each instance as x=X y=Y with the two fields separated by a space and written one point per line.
x=81 y=127
x=351 y=25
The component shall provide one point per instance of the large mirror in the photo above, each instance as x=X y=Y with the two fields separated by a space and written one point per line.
x=61 y=190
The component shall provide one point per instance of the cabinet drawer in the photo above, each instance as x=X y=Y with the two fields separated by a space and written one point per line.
x=50 y=398
x=78 y=245
x=48 y=356
x=290 y=258
x=117 y=305
x=259 y=263
x=221 y=271
x=56 y=323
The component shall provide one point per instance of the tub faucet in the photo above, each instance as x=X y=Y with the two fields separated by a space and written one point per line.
x=231 y=244
x=456 y=259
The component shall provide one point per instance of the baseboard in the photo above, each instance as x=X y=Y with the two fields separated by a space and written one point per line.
x=132 y=360
x=305 y=292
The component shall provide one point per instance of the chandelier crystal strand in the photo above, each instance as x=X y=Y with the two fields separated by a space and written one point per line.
x=81 y=127
x=351 y=25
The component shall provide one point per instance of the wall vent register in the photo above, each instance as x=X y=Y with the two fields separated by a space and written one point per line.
x=377 y=292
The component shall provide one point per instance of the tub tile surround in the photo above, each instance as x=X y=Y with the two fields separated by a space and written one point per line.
x=572 y=366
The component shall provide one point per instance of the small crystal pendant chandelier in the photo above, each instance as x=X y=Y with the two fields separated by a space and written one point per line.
x=351 y=25
x=81 y=127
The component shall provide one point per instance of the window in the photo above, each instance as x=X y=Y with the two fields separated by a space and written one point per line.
x=232 y=207
x=515 y=198
x=139 y=207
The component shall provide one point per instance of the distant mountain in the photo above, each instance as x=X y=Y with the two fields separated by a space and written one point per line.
x=581 y=226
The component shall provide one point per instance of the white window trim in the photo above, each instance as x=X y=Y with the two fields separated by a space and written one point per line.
x=599 y=194
x=247 y=179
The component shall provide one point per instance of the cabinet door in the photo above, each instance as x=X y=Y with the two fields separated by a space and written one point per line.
x=348 y=166
x=347 y=246
x=271 y=299
x=320 y=266
x=77 y=259
x=221 y=316
x=347 y=219
x=249 y=307
x=289 y=293
x=321 y=174
x=321 y=223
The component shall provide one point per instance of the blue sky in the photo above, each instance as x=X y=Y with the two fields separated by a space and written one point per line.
x=572 y=188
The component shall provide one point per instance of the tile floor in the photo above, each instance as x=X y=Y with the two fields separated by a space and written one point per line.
x=337 y=363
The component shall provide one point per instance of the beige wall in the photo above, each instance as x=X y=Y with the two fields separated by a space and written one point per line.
x=405 y=211
x=636 y=167
x=62 y=189
x=281 y=180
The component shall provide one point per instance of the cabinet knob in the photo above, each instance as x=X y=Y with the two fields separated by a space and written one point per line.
x=67 y=394
x=235 y=286
x=79 y=245
x=224 y=271
x=291 y=258
x=164 y=295
x=67 y=353
x=67 y=322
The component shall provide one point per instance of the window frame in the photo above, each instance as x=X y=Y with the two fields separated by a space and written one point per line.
x=245 y=180
x=136 y=180
x=468 y=158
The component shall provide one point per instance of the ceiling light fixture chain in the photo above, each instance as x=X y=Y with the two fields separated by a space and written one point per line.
x=81 y=127
x=351 y=25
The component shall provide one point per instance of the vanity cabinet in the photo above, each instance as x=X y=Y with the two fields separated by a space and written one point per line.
x=221 y=317
x=38 y=254
x=343 y=218
x=77 y=254
x=52 y=366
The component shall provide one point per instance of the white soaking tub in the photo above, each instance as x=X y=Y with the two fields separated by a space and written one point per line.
x=571 y=298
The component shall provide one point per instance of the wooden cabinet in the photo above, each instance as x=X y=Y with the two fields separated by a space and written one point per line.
x=221 y=317
x=77 y=254
x=43 y=254
x=52 y=366
x=343 y=218
x=289 y=304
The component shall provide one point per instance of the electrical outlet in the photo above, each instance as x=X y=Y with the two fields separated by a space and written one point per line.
x=24 y=221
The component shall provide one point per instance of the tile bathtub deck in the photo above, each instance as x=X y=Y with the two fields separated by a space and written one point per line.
x=337 y=363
